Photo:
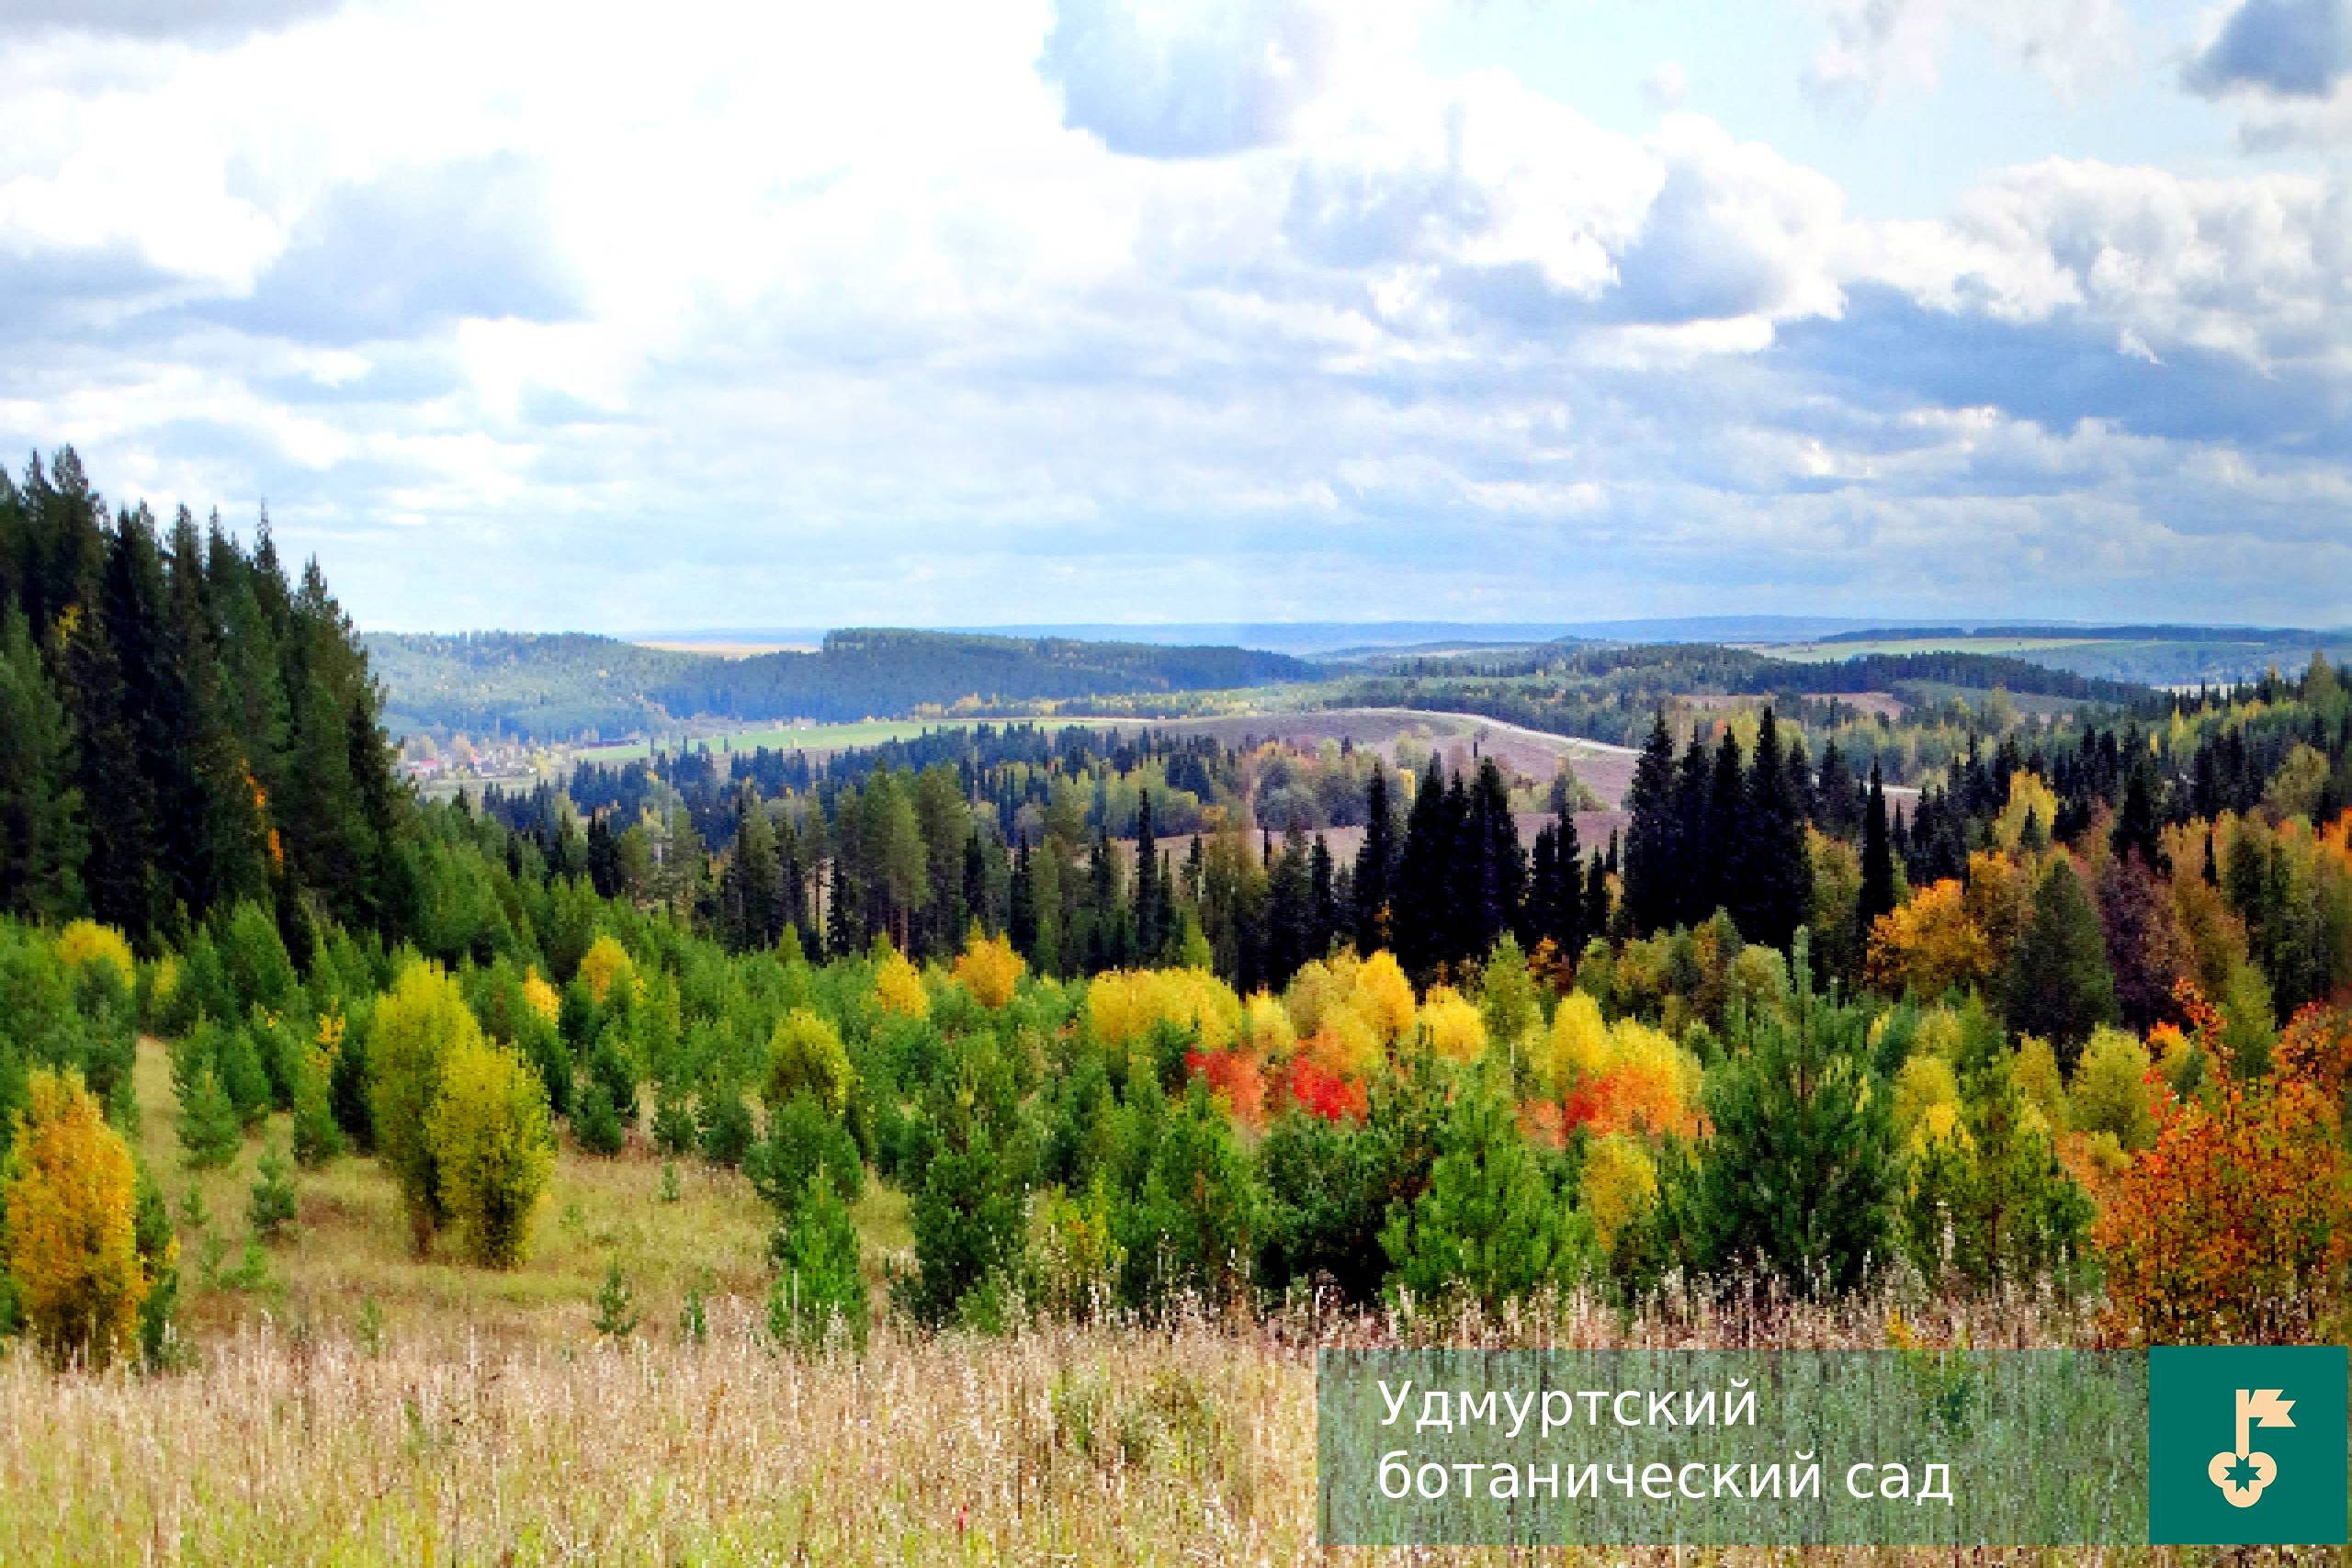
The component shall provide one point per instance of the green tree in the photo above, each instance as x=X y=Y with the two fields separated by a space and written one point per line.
x=1196 y=1225
x=2059 y=986
x=617 y=1313
x=274 y=1203
x=819 y=1286
x=41 y=839
x=1800 y=1175
x=1490 y=1224
x=210 y=1132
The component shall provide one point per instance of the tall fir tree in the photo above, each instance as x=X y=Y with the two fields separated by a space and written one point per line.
x=1877 y=896
x=1375 y=865
x=1652 y=868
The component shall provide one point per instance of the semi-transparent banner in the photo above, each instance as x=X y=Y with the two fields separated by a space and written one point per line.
x=1831 y=1448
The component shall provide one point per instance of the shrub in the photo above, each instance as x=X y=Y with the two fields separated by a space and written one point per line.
x=494 y=1150
x=418 y=1027
x=2227 y=1227
x=806 y=1056
x=69 y=1192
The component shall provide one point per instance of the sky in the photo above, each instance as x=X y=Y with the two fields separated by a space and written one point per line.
x=600 y=317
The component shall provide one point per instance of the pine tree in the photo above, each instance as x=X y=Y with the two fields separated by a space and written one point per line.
x=1801 y=1173
x=617 y=1313
x=751 y=891
x=819 y=1287
x=1489 y=1223
x=272 y=1207
x=210 y=1132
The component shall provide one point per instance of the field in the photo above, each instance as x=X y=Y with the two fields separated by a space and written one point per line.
x=787 y=737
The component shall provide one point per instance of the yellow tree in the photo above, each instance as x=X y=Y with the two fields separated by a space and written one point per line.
x=494 y=1149
x=1930 y=946
x=71 y=1195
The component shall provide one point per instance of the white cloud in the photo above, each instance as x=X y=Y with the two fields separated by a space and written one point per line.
x=892 y=311
x=1877 y=48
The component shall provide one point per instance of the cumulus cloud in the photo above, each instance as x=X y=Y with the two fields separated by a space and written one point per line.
x=892 y=313
x=1875 y=48
x=2293 y=48
x=1168 y=80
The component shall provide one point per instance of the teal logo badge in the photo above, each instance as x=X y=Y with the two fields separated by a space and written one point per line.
x=2248 y=1446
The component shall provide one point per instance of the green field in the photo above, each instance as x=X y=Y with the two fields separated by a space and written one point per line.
x=775 y=738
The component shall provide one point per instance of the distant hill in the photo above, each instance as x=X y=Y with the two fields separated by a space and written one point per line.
x=2145 y=655
x=572 y=686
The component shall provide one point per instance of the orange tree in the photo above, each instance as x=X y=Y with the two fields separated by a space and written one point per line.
x=2227 y=1228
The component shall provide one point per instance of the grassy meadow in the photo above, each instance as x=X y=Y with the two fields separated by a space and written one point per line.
x=358 y=1406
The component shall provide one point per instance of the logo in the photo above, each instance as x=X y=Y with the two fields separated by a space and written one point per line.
x=2246 y=1472
x=2248 y=1446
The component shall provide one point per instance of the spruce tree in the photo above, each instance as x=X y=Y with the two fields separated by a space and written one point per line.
x=1774 y=893
x=1651 y=859
x=2059 y=986
x=1324 y=920
x=42 y=843
x=1420 y=908
x=1375 y=865
x=1877 y=896
x=1148 y=935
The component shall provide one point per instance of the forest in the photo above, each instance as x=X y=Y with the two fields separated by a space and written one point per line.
x=564 y=687
x=1006 y=1027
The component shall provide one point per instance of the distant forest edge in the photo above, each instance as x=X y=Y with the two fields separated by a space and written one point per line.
x=574 y=686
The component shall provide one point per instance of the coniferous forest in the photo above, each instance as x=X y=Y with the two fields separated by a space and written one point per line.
x=1037 y=1035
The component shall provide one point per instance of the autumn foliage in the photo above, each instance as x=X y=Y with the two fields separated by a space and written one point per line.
x=69 y=1192
x=2229 y=1226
